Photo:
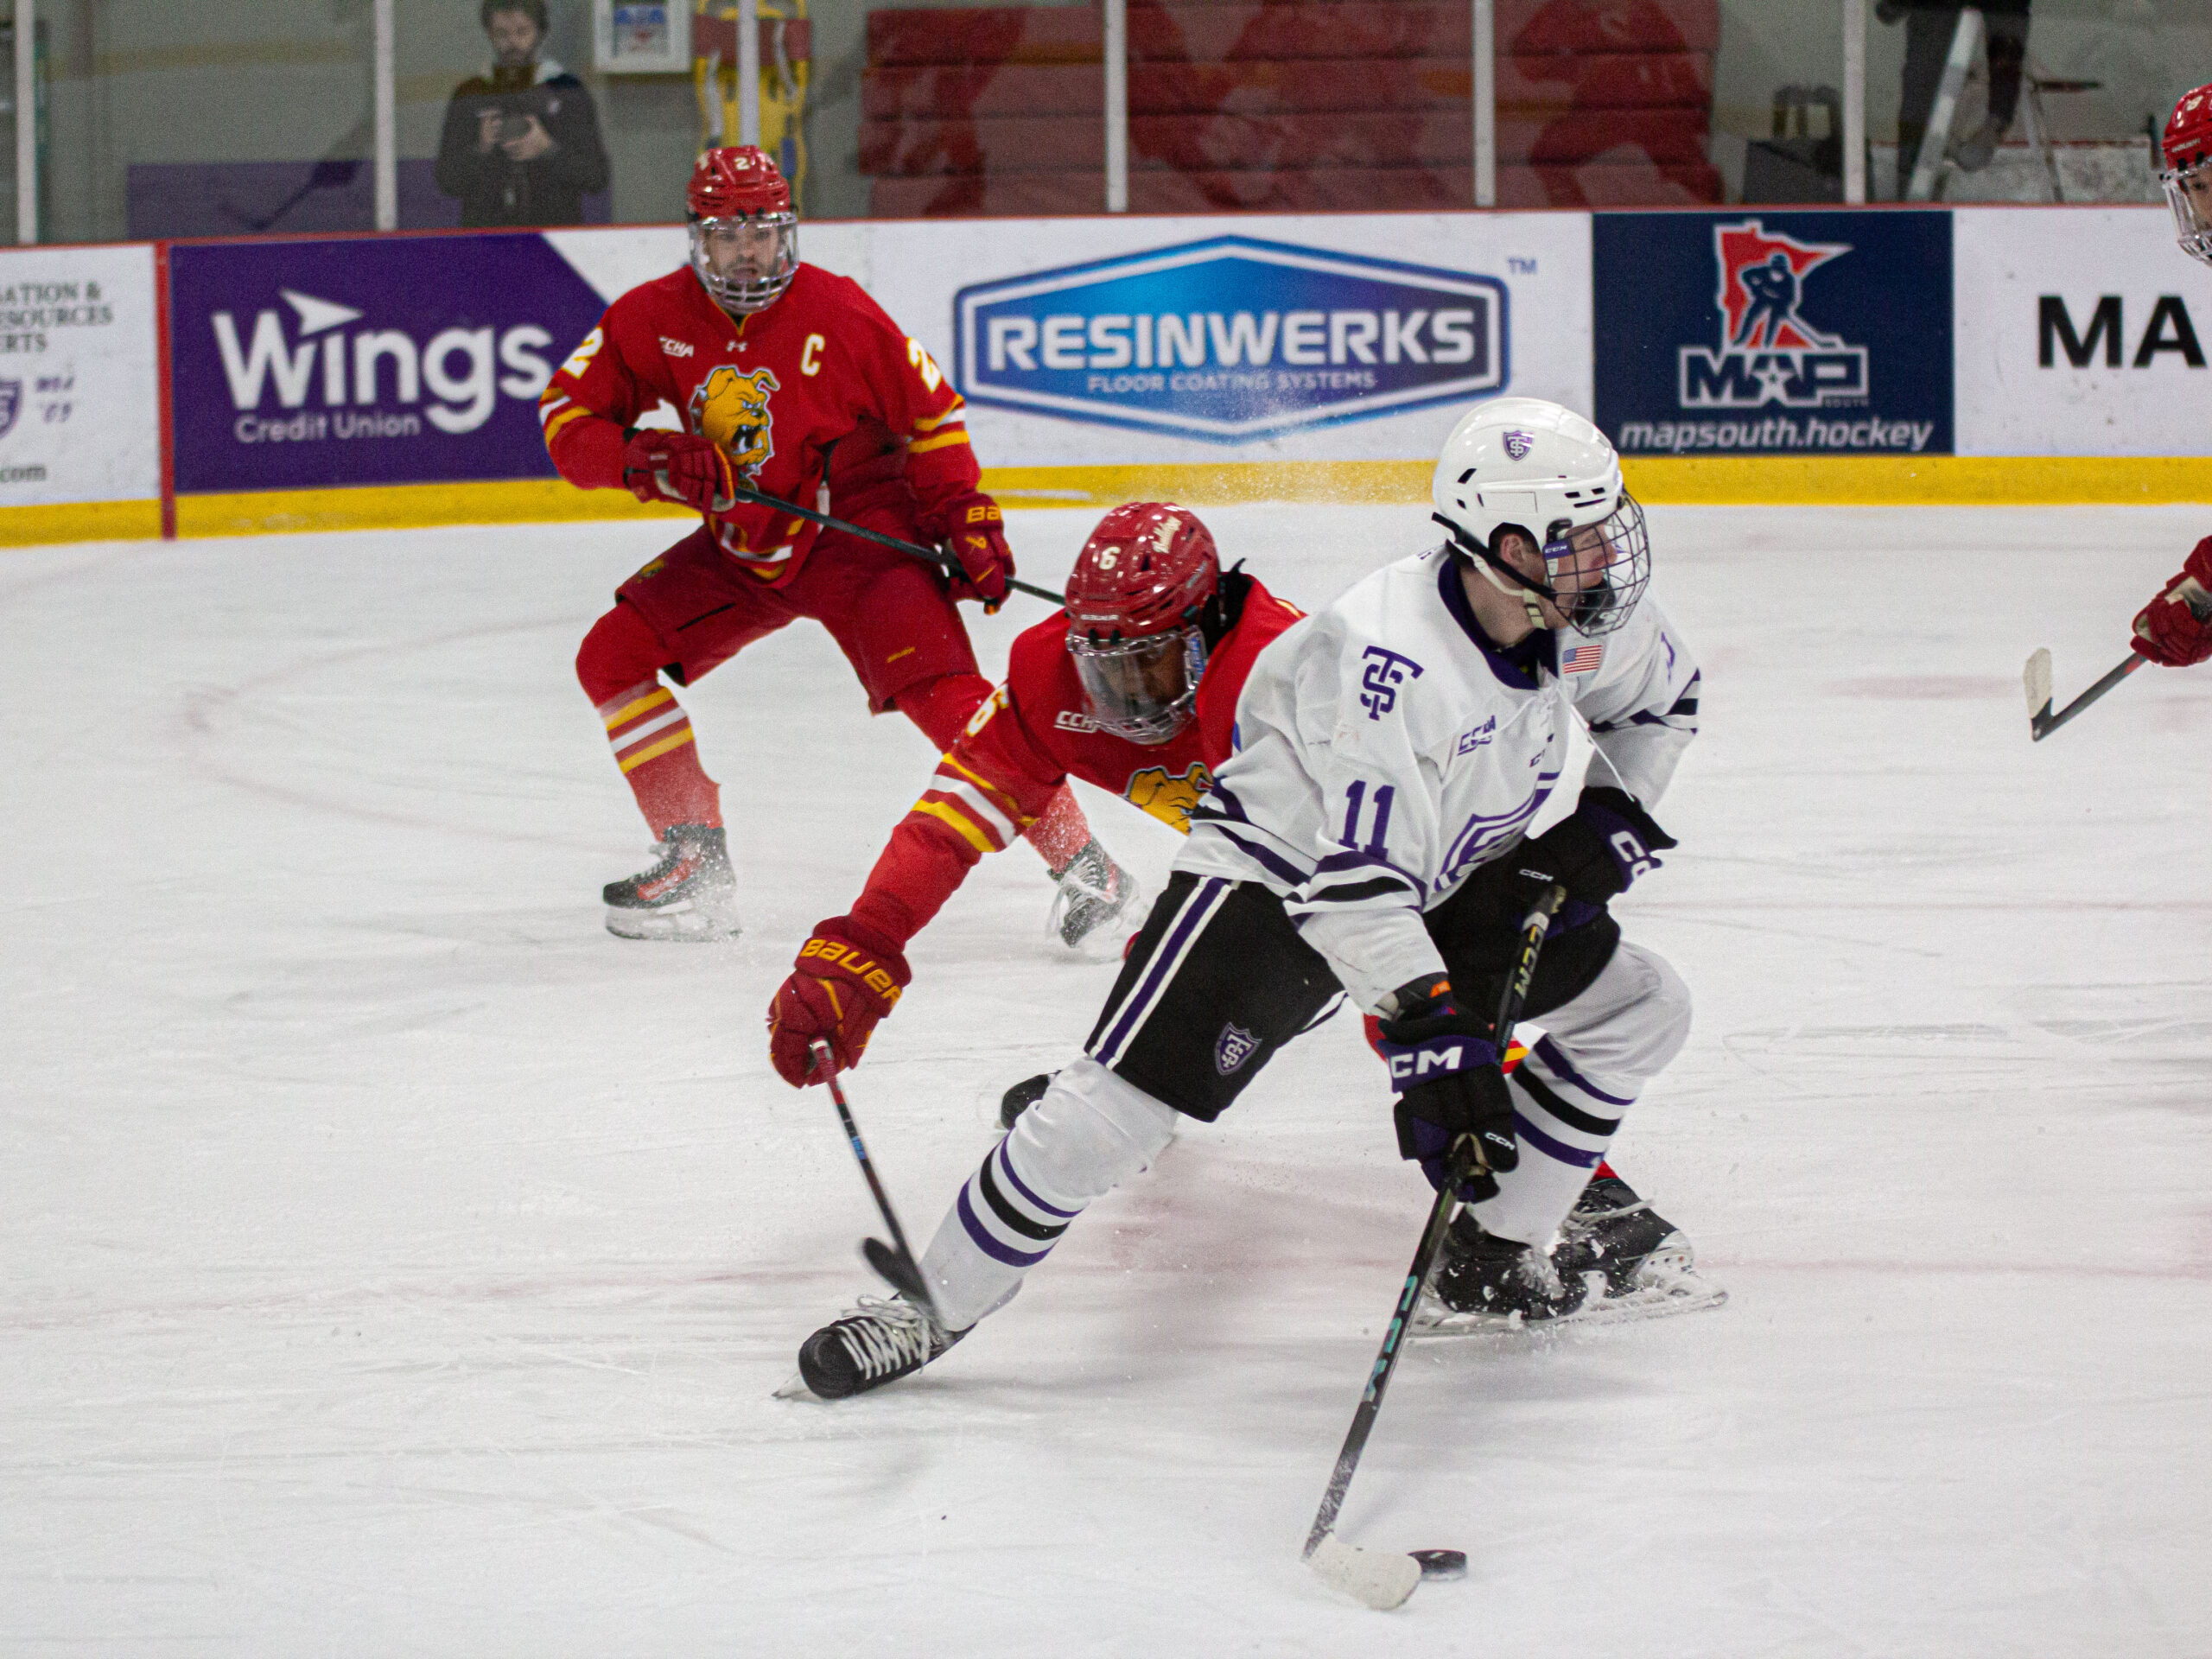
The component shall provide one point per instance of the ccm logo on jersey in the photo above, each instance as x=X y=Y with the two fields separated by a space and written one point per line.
x=675 y=347
x=855 y=963
x=1068 y=720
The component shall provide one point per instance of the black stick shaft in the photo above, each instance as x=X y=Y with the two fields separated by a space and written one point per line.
x=2046 y=724
x=822 y=1057
x=937 y=556
x=1431 y=1237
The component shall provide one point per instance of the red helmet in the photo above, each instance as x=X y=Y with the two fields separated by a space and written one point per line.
x=735 y=191
x=1133 y=601
x=735 y=180
x=2187 y=175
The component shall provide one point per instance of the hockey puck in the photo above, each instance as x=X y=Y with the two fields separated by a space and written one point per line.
x=1442 y=1563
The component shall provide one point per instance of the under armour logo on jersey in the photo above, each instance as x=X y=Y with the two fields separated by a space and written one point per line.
x=1232 y=1048
x=1518 y=444
x=1385 y=673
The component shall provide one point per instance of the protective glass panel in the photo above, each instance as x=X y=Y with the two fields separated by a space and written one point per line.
x=1777 y=102
x=2060 y=103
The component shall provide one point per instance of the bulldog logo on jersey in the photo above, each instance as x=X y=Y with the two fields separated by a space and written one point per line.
x=1232 y=1048
x=1167 y=798
x=731 y=409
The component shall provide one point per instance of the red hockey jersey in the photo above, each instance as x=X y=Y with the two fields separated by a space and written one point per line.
x=1030 y=736
x=775 y=390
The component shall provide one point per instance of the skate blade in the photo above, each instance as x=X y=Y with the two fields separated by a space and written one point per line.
x=796 y=1389
x=1658 y=1293
x=685 y=926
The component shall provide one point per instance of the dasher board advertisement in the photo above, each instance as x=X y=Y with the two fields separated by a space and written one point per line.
x=2082 y=331
x=80 y=377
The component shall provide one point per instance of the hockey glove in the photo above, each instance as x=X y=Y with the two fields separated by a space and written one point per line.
x=1443 y=1060
x=1597 y=849
x=679 y=466
x=2175 y=627
x=848 y=976
x=974 y=529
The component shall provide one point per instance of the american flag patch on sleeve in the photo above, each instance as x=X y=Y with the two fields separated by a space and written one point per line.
x=1583 y=658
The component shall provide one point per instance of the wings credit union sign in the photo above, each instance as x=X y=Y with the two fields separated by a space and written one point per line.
x=1231 y=338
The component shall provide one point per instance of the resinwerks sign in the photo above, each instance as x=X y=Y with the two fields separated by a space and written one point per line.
x=1766 y=333
x=1232 y=339
x=412 y=359
x=80 y=377
x=2082 y=331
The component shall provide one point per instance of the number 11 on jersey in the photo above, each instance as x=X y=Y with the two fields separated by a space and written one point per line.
x=1355 y=797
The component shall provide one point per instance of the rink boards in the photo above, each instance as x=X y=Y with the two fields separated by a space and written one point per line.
x=1895 y=355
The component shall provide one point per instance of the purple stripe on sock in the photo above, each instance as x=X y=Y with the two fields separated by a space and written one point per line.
x=1006 y=1168
x=990 y=1246
x=1555 y=1063
x=1529 y=1132
x=1168 y=949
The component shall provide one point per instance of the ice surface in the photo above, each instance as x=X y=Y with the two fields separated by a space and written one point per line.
x=392 y=1262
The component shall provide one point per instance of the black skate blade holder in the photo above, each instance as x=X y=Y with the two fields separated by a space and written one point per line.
x=893 y=1262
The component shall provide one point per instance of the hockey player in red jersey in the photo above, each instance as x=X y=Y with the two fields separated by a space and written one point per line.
x=2175 y=628
x=790 y=381
x=1133 y=689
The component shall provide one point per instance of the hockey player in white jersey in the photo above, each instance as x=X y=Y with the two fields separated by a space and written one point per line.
x=1369 y=838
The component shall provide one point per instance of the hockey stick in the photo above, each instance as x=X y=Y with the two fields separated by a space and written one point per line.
x=2036 y=677
x=894 y=1262
x=1378 y=1578
x=936 y=556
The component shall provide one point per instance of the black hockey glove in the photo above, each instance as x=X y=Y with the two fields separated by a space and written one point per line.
x=1597 y=849
x=1443 y=1060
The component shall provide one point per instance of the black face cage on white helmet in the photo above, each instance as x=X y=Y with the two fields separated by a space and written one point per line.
x=1593 y=574
x=741 y=295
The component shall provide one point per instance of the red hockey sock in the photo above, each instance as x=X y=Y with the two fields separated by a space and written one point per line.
x=618 y=668
x=1059 y=832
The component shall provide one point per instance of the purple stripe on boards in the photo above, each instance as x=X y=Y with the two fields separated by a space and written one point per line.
x=1169 y=949
x=1555 y=1063
x=1526 y=1131
x=989 y=1245
x=1006 y=1168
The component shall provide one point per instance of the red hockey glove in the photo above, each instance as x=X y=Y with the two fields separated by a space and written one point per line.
x=847 y=977
x=2175 y=627
x=679 y=466
x=975 y=529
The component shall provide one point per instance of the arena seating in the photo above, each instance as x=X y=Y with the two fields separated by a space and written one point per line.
x=1312 y=104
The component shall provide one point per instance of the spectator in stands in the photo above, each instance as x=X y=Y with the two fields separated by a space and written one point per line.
x=1928 y=28
x=521 y=143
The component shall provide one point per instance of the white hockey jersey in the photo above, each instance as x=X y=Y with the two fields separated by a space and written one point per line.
x=1385 y=748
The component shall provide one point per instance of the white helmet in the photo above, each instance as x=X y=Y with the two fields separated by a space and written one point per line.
x=1537 y=468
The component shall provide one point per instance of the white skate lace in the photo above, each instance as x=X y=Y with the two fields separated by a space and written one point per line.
x=884 y=1336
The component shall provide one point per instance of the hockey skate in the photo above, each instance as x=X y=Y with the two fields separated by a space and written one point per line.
x=877 y=1342
x=1098 y=901
x=1616 y=1259
x=689 y=894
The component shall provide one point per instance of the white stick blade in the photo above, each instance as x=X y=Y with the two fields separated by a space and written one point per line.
x=1380 y=1579
x=2036 y=677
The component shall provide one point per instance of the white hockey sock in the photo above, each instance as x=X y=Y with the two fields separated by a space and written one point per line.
x=1090 y=1132
x=1569 y=1094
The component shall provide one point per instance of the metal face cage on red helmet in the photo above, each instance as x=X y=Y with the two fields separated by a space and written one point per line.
x=2187 y=146
x=1144 y=690
x=740 y=208
x=1136 y=600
